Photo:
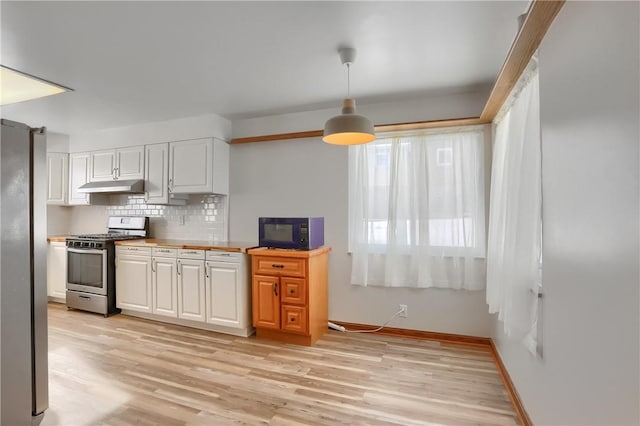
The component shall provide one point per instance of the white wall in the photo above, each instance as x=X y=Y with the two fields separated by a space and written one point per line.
x=308 y=177
x=459 y=105
x=205 y=126
x=589 y=89
x=57 y=142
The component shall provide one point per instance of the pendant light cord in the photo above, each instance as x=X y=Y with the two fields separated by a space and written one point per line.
x=348 y=80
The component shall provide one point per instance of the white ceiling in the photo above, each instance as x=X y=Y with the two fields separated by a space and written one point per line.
x=132 y=62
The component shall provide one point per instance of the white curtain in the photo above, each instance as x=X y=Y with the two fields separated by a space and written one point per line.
x=515 y=225
x=416 y=210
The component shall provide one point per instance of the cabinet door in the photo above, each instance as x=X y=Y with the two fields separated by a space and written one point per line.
x=78 y=176
x=57 y=270
x=133 y=283
x=164 y=286
x=57 y=177
x=191 y=166
x=102 y=166
x=266 y=302
x=294 y=319
x=156 y=184
x=130 y=163
x=223 y=298
x=294 y=291
x=191 y=293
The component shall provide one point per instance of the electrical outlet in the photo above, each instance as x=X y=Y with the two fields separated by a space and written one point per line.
x=404 y=311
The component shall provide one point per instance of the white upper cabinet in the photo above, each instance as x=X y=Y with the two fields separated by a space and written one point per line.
x=199 y=166
x=124 y=163
x=57 y=177
x=156 y=175
x=130 y=163
x=78 y=176
x=103 y=166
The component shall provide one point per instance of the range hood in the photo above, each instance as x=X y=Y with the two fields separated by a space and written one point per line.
x=114 y=187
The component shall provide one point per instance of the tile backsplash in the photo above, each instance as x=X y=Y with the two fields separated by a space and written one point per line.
x=203 y=218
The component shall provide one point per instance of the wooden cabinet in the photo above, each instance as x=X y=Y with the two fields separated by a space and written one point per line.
x=57 y=178
x=164 y=282
x=133 y=279
x=289 y=290
x=57 y=271
x=199 y=166
x=123 y=163
x=78 y=176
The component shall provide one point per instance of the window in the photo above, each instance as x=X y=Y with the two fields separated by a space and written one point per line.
x=417 y=198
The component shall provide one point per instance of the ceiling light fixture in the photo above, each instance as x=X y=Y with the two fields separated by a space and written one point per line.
x=348 y=128
x=16 y=86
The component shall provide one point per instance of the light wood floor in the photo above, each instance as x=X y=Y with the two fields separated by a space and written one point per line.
x=122 y=370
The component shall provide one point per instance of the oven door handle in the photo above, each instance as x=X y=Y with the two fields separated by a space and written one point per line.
x=85 y=251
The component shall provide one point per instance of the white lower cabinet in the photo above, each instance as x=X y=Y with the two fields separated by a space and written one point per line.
x=191 y=297
x=133 y=279
x=164 y=282
x=57 y=271
x=226 y=290
x=198 y=288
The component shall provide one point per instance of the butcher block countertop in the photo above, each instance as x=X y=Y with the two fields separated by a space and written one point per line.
x=237 y=246
x=57 y=239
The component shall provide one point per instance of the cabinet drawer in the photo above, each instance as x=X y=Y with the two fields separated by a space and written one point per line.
x=279 y=266
x=293 y=291
x=139 y=251
x=294 y=319
x=164 y=252
x=191 y=254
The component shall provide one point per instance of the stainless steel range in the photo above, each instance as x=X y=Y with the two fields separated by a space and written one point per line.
x=91 y=270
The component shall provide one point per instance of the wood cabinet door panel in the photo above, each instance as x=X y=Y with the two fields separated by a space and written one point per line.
x=294 y=291
x=294 y=319
x=290 y=267
x=266 y=302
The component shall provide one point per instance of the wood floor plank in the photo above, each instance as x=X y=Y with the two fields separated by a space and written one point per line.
x=129 y=371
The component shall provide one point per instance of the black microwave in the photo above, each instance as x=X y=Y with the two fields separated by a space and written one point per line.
x=299 y=233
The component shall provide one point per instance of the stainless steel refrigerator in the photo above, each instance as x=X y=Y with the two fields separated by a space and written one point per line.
x=23 y=288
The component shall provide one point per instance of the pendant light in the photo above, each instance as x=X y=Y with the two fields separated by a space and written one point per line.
x=348 y=128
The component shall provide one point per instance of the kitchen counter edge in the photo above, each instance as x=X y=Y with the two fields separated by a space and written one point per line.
x=233 y=246
x=57 y=239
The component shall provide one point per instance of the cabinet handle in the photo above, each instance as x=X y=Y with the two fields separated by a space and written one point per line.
x=179 y=267
x=275 y=289
x=170 y=185
x=292 y=319
x=275 y=265
x=291 y=291
x=153 y=265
